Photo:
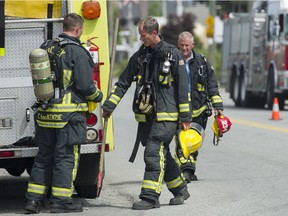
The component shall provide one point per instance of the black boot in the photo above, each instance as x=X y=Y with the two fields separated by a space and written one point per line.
x=32 y=206
x=66 y=208
x=180 y=198
x=145 y=204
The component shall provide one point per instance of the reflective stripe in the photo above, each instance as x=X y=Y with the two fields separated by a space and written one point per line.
x=113 y=89
x=189 y=96
x=197 y=112
x=184 y=107
x=62 y=192
x=153 y=185
x=114 y=99
x=51 y=124
x=164 y=116
x=66 y=108
x=36 y=188
x=200 y=87
x=76 y=160
x=66 y=78
x=175 y=183
x=165 y=79
x=216 y=99
x=140 y=117
x=93 y=96
x=67 y=98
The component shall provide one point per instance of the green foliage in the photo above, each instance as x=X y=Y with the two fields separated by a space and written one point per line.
x=154 y=8
x=176 y=25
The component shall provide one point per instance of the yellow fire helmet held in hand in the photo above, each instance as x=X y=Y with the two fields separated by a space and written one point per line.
x=191 y=139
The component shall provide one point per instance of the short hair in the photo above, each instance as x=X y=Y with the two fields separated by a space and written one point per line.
x=185 y=34
x=72 y=21
x=149 y=24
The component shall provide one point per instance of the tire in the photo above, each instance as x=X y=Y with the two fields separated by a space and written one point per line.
x=15 y=171
x=236 y=90
x=87 y=176
x=270 y=90
x=245 y=96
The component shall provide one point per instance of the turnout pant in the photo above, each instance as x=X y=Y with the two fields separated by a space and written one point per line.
x=159 y=164
x=55 y=164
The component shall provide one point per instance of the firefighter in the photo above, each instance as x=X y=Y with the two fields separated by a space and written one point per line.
x=204 y=92
x=61 y=127
x=161 y=99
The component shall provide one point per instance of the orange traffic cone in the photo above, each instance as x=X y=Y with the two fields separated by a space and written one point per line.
x=275 y=110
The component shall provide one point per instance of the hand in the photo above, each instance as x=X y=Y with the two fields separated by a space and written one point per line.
x=106 y=114
x=186 y=125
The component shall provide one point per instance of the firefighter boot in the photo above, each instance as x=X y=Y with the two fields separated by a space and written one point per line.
x=180 y=198
x=66 y=208
x=32 y=207
x=145 y=204
x=189 y=175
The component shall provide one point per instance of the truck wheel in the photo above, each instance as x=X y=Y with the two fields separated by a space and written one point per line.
x=270 y=91
x=245 y=96
x=15 y=171
x=236 y=90
x=87 y=176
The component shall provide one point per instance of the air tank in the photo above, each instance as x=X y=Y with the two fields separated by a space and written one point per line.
x=41 y=74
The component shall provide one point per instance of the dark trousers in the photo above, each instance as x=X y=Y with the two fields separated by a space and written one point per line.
x=159 y=164
x=55 y=164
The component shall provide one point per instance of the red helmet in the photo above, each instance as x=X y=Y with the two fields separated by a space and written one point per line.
x=221 y=125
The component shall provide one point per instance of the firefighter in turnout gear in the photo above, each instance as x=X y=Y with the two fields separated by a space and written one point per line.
x=204 y=96
x=161 y=100
x=61 y=126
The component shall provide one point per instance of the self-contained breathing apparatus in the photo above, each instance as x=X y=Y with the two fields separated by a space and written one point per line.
x=46 y=84
x=146 y=94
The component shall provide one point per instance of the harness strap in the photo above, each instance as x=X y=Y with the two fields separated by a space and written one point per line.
x=136 y=145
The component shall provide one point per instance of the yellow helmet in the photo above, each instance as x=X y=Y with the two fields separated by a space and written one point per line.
x=191 y=139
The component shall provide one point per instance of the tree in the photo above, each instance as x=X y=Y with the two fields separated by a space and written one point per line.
x=176 y=25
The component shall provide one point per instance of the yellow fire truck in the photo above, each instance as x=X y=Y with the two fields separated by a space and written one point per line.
x=24 y=26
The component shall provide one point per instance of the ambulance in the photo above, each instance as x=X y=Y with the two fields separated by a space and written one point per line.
x=24 y=26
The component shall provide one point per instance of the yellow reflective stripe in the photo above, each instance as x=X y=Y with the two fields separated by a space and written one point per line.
x=152 y=185
x=175 y=183
x=164 y=116
x=76 y=160
x=165 y=79
x=51 y=124
x=184 y=107
x=114 y=99
x=36 y=188
x=140 y=117
x=66 y=77
x=189 y=96
x=66 y=108
x=200 y=87
x=197 y=112
x=162 y=165
x=93 y=96
x=67 y=98
x=113 y=89
x=216 y=99
x=62 y=192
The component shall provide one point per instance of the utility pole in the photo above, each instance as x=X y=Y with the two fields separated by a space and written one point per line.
x=211 y=42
